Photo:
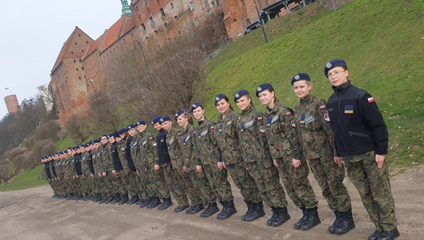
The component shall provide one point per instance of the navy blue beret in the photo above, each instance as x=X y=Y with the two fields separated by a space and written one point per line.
x=332 y=64
x=179 y=113
x=240 y=94
x=164 y=119
x=80 y=146
x=96 y=141
x=263 y=87
x=155 y=120
x=219 y=97
x=111 y=135
x=130 y=126
x=140 y=122
x=122 y=131
x=195 y=105
x=300 y=76
x=103 y=136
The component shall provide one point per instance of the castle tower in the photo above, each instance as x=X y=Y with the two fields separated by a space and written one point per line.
x=126 y=8
x=11 y=103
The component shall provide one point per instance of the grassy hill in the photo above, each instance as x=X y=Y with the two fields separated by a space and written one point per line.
x=381 y=40
x=26 y=179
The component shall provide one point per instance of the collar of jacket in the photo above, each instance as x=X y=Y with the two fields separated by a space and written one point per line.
x=343 y=87
x=276 y=108
x=247 y=110
x=306 y=100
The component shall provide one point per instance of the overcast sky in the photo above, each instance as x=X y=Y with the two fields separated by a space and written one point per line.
x=33 y=32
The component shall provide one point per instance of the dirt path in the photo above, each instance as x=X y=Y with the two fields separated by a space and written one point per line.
x=33 y=214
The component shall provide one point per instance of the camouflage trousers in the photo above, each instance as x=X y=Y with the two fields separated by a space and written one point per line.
x=218 y=179
x=174 y=185
x=268 y=184
x=373 y=185
x=128 y=180
x=78 y=185
x=187 y=185
x=119 y=182
x=143 y=182
x=53 y=185
x=106 y=186
x=157 y=182
x=330 y=178
x=201 y=183
x=296 y=183
x=244 y=182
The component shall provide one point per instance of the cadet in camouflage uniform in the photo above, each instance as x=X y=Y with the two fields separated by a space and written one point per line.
x=128 y=175
x=227 y=137
x=142 y=179
x=67 y=169
x=46 y=171
x=105 y=168
x=175 y=172
x=317 y=140
x=118 y=175
x=59 y=173
x=85 y=169
x=199 y=179
x=254 y=149
x=96 y=159
x=286 y=153
x=207 y=158
x=361 y=139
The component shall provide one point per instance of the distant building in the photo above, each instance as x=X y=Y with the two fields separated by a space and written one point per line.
x=11 y=103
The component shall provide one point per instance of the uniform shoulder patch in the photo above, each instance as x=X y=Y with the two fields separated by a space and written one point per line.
x=262 y=129
x=260 y=118
x=154 y=144
x=370 y=100
x=292 y=123
x=288 y=114
x=150 y=138
x=322 y=107
x=212 y=128
x=326 y=117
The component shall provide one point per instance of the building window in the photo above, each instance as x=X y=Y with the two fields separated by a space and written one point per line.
x=162 y=11
x=210 y=14
x=82 y=50
x=76 y=69
x=148 y=10
x=144 y=27
x=196 y=21
x=248 y=22
x=191 y=6
x=75 y=43
x=243 y=3
x=152 y=21
x=82 y=68
x=218 y=3
x=79 y=78
x=172 y=5
x=75 y=61
x=158 y=2
x=86 y=41
x=72 y=52
x=139 y=17
x=79 y=35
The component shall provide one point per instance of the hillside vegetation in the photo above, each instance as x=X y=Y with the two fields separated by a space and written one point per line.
x=381 y=40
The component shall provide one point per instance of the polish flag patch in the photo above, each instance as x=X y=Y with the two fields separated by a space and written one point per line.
x=260 y=118
x=370 y=100
x=323 y=107
x=288 y=113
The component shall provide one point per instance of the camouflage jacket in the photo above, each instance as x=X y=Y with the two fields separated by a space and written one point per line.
x=208 y=152
x=71 y=166
x=253 y=143
x=281 y=132
x=96 y=159
x=58 y=167
x=314 y=127
x=148 y=150
x=135 y=149
x=187 y=145
x=174 y=149
x=84 y=164
x=227 y=137
x=106 y=158
x=121 y=153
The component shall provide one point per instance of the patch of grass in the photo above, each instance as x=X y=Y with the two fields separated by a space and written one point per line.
x=12 y=168
x=381 y=42
x=63 y=144
x=26 y=179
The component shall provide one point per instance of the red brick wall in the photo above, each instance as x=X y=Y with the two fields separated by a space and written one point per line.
x=11 y=103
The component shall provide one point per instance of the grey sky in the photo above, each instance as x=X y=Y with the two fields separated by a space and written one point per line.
x=33 y=32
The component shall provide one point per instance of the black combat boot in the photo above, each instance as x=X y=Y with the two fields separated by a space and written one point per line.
x=79 y=197
x=336 y=222
x=98 y=197
x=124 y=199
x=75 y=196
x=180 y=208
x=109 y=200
x=133 y=200
x=116 y=199
x=389 y=235
x=139 y=202
x=86 y=197
x=312 y=220
x=195 y=209
x=346 y=223
x=228 y=211
x=154 y=203
x=257 y=212
x=299 y=223
x=103 y=200
x=166 y=203
x=281 y=217
x=375 y=235
x=250 y=205
x=70 y=196
x=210 y=210
x=145 y=202
x=272 y=219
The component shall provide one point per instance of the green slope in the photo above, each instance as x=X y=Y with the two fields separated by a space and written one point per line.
x=381 y=40
x=26 y=179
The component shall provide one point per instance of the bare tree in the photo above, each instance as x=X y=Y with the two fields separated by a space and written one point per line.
x=76 y=127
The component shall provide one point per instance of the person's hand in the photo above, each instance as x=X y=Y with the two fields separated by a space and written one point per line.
x=92 y=176
x=100 y=175
x=145 y=170
x=268 y=166
x=73 y=177
x=157 y=167
x=247 y=168
x=338 y=161
x=138 y=174
x=275 y=163
x=220 y=167
x=296 y=163
x=104 y=174
x=199 y=168
x=114 y=172
x=380 y=160
x=185 y=169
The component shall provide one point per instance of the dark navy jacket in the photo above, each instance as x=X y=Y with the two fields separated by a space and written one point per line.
x=77 y=159
x=115 y=157
x=162 y=147
x=130 y=161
